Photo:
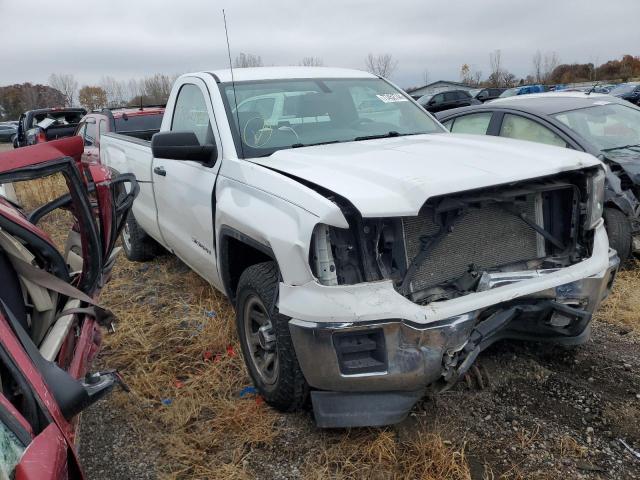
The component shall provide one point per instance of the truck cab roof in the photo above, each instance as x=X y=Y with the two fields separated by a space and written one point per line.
x=278 y=73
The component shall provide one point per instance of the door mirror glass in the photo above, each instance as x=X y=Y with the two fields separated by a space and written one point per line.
x=182 y=145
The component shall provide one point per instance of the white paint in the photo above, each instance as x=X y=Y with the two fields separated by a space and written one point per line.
x=385 y=178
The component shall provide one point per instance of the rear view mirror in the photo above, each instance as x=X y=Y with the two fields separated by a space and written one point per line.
x=182 y=146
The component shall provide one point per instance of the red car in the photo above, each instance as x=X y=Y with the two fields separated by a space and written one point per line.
x=49 y=320
x=140 y=122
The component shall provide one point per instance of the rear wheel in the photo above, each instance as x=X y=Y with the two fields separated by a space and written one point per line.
x=137 y=245
x=619 y=231
x=265 y=340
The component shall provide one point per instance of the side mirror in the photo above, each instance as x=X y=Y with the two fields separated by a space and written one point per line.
x=182 y=146
x=431 y=102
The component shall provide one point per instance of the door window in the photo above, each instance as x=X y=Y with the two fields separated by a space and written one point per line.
x=476 y=123
x=438 y=98
x=450 y=97
x=191 y=114
x=521 y=128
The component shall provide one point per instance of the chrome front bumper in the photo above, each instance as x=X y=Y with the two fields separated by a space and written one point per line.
x=417 y=355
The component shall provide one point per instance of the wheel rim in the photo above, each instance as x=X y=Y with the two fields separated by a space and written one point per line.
x=261 y=340
x=126 y=237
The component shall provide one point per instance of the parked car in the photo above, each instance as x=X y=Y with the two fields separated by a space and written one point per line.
x=486 y=94
x=601 y=125
x=46 y=124
x=367 y=259
x=8 y=133
x=446 y=100
x=49 y=323
x=627 y=91
x=524 y=90
x=138 y=122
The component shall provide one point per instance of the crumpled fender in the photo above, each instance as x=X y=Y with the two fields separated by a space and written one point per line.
x=625 y=200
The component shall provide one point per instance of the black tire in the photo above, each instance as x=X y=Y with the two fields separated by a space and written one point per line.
x=137 y=245
x=619 y=231
x=287 y=389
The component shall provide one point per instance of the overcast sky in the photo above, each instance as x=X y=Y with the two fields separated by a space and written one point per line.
x=135 y=38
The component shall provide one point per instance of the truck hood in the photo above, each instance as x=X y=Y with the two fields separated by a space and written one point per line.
x=395 y=176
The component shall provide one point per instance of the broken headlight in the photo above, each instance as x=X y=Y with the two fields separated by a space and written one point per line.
x=595 y=199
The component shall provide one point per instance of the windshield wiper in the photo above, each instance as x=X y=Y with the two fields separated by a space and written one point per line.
x=390 y=134
x=300 y=145
x=620 y=148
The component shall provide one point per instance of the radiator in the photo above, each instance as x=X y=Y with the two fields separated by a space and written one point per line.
x=487 y=237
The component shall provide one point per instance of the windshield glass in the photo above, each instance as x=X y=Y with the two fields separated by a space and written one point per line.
x=610 y=126
x=622 y=89
x=509 y=93
x=11 y=451
x=279 y=114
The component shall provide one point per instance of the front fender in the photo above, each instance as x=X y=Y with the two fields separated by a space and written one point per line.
x=281 y=226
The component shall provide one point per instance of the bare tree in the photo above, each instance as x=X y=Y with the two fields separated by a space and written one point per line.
x=381 y=64
x=476 y=77
x=496 y=76
x=465 y=74
x=157 y=88
x=245 y=60
x=115 y=91
x=537 y=67
x=311 y=62
x=67 y=84
x=551 y=61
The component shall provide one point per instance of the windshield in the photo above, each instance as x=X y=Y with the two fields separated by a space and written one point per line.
x=610 y=126
x=279 y=114
x=509 y=93
x=11 y=451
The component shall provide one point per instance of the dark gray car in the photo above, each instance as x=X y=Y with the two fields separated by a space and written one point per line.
x=602 y=125
x=7 y=132
x=447 y=100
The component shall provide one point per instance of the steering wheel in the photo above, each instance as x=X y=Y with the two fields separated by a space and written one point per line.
x=255 y=133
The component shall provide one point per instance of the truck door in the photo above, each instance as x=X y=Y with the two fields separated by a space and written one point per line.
x=184 y=189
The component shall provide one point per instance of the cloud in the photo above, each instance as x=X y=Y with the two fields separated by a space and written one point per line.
x=141 y=37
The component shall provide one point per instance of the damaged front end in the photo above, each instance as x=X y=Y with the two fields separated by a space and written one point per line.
x=418 y=298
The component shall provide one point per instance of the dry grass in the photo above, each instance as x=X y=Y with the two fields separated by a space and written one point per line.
x=171 y=346
x=569 y=447
x=623 y=305
x=378 y=454
x=34 y=193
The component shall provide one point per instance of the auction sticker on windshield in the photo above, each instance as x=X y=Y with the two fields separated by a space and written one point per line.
x=392 y=97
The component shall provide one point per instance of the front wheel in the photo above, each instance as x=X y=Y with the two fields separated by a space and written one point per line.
x=265 y=340
x=619 y=231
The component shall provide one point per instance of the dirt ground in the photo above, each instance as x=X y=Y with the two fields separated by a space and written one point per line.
x=532 y=412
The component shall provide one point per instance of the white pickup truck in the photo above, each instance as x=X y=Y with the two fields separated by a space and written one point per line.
x=369 y=253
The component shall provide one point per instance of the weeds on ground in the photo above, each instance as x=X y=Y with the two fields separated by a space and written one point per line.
x=622 y=308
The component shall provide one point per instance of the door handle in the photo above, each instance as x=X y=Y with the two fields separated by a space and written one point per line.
x=160 y=171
